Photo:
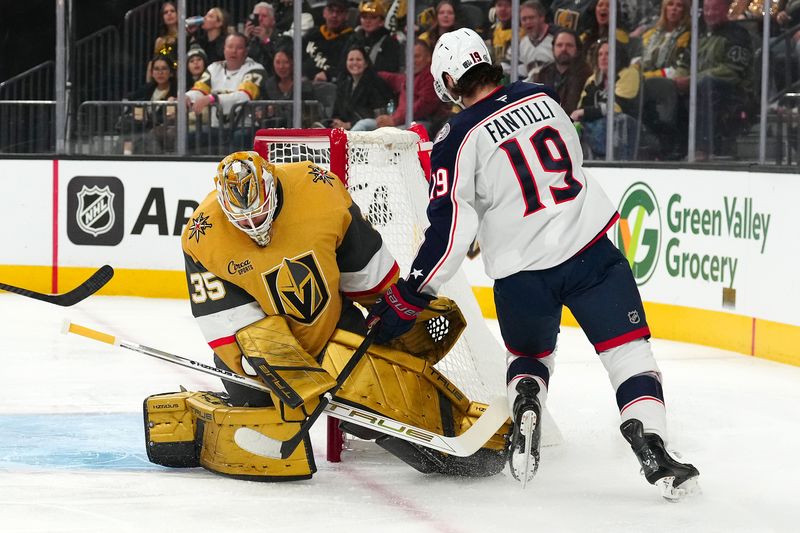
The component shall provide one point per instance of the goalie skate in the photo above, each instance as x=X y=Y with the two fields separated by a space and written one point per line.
x=523 y=450
x=675 y=480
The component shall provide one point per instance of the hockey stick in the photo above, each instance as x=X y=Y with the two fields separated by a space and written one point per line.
x=463 y=445
x=78 y=294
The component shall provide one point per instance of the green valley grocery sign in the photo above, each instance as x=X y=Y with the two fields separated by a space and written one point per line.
x=639 y=235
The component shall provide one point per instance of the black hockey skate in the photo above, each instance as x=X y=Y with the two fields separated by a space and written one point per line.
x=675 y=479
x=526 y=432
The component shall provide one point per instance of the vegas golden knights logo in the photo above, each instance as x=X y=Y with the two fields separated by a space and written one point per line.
x=298 y=289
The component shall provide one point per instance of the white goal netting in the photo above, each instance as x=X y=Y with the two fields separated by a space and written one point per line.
x=385 y=178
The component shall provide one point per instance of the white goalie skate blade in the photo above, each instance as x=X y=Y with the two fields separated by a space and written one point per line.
x=686 y=489
x=254 y=442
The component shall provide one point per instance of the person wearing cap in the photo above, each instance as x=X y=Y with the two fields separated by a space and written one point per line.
x=325 y=46
x=196 y=63
x=384 y=51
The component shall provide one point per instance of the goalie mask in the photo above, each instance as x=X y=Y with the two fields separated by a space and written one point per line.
x=455 y=53
x=246 y=190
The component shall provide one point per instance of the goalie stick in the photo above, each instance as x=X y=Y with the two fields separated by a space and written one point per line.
x=78 y=294
x=463 y=445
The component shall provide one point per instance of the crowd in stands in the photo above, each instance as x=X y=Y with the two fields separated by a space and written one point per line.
x=354 y=55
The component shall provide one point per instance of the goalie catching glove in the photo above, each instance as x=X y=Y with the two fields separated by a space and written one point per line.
x=396 y=311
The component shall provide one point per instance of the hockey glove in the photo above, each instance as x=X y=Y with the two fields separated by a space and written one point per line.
x=396 y=311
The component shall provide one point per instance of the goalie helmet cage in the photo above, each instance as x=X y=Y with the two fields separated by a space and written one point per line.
x=385 y=172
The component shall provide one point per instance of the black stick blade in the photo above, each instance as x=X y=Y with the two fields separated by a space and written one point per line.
x=95 y=282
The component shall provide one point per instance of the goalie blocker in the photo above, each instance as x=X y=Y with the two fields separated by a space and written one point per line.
x=189 y=429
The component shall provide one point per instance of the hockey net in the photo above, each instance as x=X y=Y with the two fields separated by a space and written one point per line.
x=385 y=173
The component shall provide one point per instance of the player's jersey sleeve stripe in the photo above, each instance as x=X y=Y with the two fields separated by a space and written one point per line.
x=373 y=278
x=207 y=300
x=218 y=328
x=222 y=341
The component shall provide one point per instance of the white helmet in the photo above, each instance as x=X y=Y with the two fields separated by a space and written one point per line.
x=246 y=191
x=455 y=53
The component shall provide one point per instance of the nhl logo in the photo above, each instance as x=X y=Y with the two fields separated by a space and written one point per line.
x=633 y=317
x=95 y=213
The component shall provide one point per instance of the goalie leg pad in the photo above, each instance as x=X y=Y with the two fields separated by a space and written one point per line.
x=409 y=389
x=188 y=429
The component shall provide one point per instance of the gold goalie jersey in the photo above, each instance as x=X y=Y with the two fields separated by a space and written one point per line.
x=321 y=248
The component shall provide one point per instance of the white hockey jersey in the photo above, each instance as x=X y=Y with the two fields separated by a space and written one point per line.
x=230 y=87
x=509 y=169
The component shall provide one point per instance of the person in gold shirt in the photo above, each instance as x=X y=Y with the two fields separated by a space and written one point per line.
x=279 y=240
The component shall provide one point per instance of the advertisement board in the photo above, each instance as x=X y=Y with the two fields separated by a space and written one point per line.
x=713 y=252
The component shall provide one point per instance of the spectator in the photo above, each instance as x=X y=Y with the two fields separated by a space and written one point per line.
x=168 y=31
x=447 y=19
x=724 y=78
x=428 y=109
x=162 y=87
x=196 y=63
x=281 y=87
x=147 y=124
x=665 y=57
x=263 y=40
x=325 y=46
x=572 y=14
x=213 y=34
x=665 y=47
x=226 y=83
x=592 y=109
x=167 y=37
x=536 y=46
x=598 y=29
x=568 y=74
x=384 y=51
x=501 y=31
x=360 y=96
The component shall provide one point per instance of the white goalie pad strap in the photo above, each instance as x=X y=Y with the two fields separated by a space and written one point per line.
x=369 y=279
x=219 y=328
x=630 y=359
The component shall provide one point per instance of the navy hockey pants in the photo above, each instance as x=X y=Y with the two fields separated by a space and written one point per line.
x=596 y=285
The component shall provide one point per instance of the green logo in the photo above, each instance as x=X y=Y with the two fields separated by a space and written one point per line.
x=638 y=232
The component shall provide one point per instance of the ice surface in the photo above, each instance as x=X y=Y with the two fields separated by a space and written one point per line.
x=72 y=453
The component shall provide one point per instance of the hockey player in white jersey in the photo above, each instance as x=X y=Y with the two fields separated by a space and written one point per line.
x=508 y=169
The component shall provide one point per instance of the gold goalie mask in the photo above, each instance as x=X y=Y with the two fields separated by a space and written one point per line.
x=247 y=192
